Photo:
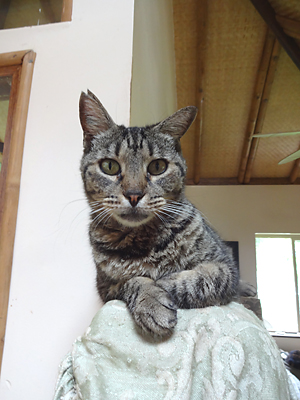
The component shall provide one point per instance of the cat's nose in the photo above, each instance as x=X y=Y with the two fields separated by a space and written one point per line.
x=133 y=196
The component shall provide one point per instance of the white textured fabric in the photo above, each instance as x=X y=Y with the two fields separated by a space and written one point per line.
x=215 y=353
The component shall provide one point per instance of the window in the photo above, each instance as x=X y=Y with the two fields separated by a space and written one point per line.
x=277 y=268
x=18 y=13
x=16 y=71
x=5 y=86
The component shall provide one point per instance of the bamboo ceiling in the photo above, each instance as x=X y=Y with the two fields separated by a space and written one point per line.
x=238 y=61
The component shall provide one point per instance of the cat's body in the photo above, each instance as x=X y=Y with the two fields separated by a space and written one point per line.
x=151 y=246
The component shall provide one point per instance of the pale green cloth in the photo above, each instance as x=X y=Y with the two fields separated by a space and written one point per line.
x=215 y=353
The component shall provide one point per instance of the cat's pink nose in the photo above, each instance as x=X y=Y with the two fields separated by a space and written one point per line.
x=133 y=196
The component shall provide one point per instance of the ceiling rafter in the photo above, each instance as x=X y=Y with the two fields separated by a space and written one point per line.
x=201 y=48
x=288 y=43
x=238 y=89
x=285 y=30
x=262 y=109
x=256 y=102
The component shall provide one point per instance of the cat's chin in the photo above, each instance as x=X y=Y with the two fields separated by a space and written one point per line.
x=133 y=220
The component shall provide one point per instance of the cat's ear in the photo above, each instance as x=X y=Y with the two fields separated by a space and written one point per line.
x=94 y=118
x=177 y=124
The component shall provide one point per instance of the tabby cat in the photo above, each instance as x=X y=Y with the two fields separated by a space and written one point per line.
x=151 y=246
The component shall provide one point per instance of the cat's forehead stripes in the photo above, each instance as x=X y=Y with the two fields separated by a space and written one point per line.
x=134 y=139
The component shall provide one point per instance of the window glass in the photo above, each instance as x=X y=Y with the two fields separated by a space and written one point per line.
x=297 y=260
x=276 y=283
x=18 y=13
x=5 y=86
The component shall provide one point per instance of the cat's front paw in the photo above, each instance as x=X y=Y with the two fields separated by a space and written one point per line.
x=154 y=311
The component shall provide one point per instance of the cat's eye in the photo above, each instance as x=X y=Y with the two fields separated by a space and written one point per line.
x=157 y=167
x=109 y=166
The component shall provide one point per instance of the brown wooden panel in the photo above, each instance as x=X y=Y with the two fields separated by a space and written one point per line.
x=12 y=188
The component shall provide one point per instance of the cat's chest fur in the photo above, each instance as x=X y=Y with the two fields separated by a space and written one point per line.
x=149 y=251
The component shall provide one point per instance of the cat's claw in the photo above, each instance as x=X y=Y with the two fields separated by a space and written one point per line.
x=155 y=312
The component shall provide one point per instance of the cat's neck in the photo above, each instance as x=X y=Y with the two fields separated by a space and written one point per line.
x=128 y=242
x=113 y=236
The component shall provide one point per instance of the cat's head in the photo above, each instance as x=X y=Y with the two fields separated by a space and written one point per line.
x=132 y=175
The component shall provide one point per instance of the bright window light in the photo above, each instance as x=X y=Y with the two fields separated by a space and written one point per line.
x=277 y=280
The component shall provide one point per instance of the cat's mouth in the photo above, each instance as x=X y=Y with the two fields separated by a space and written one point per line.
x=133 y=217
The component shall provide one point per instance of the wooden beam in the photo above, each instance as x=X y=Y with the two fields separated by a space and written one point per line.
x=13 y=58
x=262 y=110
x=288 y=43
x=295 y=171
x=273 y=181
x=290 y=26
x=234 y=181
x=12 y=188
x=14 y=71
x=256 y=101
x=201 y=49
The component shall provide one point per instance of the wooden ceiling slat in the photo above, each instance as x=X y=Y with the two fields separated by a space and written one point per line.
x=256 y=101
x=262 y=109
x=221 y=68
x=268 y=14
x=201 y=47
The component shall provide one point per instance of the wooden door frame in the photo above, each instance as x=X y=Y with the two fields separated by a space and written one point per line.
x=11 y=187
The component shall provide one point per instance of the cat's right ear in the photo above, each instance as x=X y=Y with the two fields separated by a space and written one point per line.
x=94 y=118
x=177 y=124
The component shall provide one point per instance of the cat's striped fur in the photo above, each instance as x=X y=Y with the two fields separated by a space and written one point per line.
x=151 y=246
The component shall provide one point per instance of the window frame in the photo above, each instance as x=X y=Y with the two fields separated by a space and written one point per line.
x=23 y=63
x=66 y=14
x=293 y=237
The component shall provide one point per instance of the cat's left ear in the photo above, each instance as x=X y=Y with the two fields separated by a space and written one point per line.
x=177 y=124
x=93 y=117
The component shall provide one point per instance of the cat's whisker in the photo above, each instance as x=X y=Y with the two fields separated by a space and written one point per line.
x=191 y=211
x=69 y=204
x=101 y=220
x=96 y=211
x=77 y=216
x=100 y=216
x=103 y=217
x=156 y=213
x=167 y=214
x=179 y=206
x=109 y=214
x=177 y=211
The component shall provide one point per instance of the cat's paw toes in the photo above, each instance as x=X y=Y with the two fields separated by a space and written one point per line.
x=156 y=313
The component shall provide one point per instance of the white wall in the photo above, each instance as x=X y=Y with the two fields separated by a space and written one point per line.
x=238 y=212
x=52 y=298
x=153 y=91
